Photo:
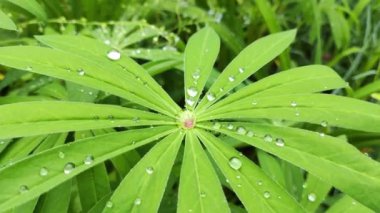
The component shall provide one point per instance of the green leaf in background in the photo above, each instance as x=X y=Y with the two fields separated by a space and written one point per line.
x=6 y=23
x=31 y=6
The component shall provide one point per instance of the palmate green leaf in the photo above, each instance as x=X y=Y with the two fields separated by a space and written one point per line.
x=31 y=6
x=57 y=200
x=307 y=79
x=199 y=188
x=314 y=192
x=23 y=181
x=6 y=23
x=200 y=54
x=85 y=71
x=256 y=190
x=323 y=109
x=333 y=160
x=90 y=48
x=142 y=189
x=45 y=117
x=250 y=60
x=348 y=205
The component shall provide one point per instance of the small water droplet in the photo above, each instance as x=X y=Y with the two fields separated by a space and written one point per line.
x=250 y=133
x=89 y=159
x=107 y=42
x=297 y=113
x=304 y=185
x=230 y=126
x=238 y=176
x=23 y=189
x=354 y=203
x=137 y=202
x=197 y=74
x=324 y=123
x=61 y=155
x=190 y=102
x=241 y=70
x=44 y=171
x=149 y=170
x=254 y=103
x=114 y=55
x=109 y=204
x=266 y=194
x=280 y=142
x=312 y=197
x=190 y=210
x=216 y=125
x=192 y=91
x=231 y=78
x=203 y=194
x=210 y=97
x=81 y=72
x=268 y=138
x=293 y=104
x=321 y=134
x=69 y=167
x=227 y=180
x=29 y=68
x=241 y=130
x=259 y=182
x=235 y=163
x=239 y=185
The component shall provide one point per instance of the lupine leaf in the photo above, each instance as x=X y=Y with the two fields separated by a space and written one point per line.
x=6 y=23
x=31 y=6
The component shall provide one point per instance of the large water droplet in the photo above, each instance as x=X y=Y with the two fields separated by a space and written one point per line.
x=216 y=125
x=241 y=70
x=280 y=142
x=23 y=189
x=231 y=78
x=89 y=159
x=241 y=130
x=61 y=155
x=266 y=194
x=324 y=123
x=293 y=104
x=192 y=91
x=312 y=197
x=137 y=202
x=250 y=133
x=210 y=97
x=114 y=55
x=44 y=171
x=109 y=204
x=235 y=163
x=268 y=138
x=149 y=170
x=81 y=72
x=69 y=167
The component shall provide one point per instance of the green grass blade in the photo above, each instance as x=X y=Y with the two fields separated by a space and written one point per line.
x=44 y=117
x=307 y=79
x=322 y=109
x=90 y=48
x=255 y=189
x=333 y=160
x=142 y=189
x=250 y=60
x=32 y=7
x=23 y=181
x=199 y=188
x=200 y=54
x=6 y=23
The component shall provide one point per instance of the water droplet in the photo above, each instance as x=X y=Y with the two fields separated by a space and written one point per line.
x=190 y=102
x=254 y=103
x=354 y=203
x=149 y=170
x=203 y=194
x=23 y=189
x=268 y=138
x=69 y=167
x=192 y=91
x=235 y=163
x=44 y=171
x=266 y=194
x=259 y=182
x=304 y=185
x=250 y=133
x=114 y=55
x=210 y=97
x=238 y=176
x=321 y=134
x=293 y=104
x=227 y=180
x=231 y=78
x=241 y=130
x=81 y=72
x=241 y=70
x=137 y=202
x=280 y=142
x=107 y=42
x=324 y=123
x=312 y=197
x=89 y=159
x=29 y=68
x=297 y=113
x=239 y=185
x=190 y=210
x=230 y=126
x=109 y=204
x=61 y=155
x=197 y=74
x=216 y=125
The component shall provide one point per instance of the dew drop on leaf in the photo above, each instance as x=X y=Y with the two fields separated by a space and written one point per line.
x=231 y=78
x=216 y=125
x=259 y=182
x=297 y=113
x=235 y=163
x=89 y=159
x=190 y=102
x=29 y=68
x=69 y=167
x=280 y=142
x=109 y=204
x=210 y=97
x=241 y=130
x=197 y=74
x=266 y=194
x=81 y=72
x=192 y=91
x=61 y=155
x=312 y=197
x=321 y=134
x=239 y=185
x=203 y=194
x=137 y=202
x=23 y=189
x=324 y=123
x=238 y=176
x=268 y=138
x=293 y=104
x=254 y=103
x=114 y=55
x=230 y=126
x=149 y=170
x=241 y=70
x=44 y=171
x=250 y=133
